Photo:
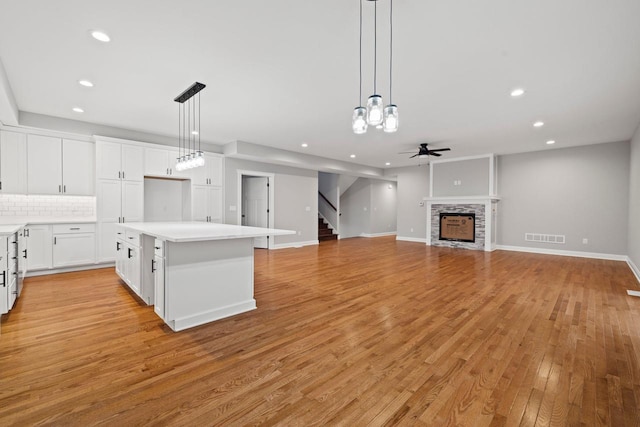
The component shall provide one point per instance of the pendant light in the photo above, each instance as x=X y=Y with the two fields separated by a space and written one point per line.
x=189 y=128
x=359 y=121
x=375 y=114
x=390 y=120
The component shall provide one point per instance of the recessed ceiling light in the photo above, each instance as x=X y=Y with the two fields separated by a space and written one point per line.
x=517 y=92
x=538 y=124
x=353 y=156
x=85 y=83
x=78 y=110
x=551 y=142
x=387 y=164
x=99 y=35
x=304 y=145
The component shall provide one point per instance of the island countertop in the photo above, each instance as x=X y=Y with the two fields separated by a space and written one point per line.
x=200 y=231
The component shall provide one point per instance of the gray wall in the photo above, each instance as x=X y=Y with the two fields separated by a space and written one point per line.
x=413 y=187
x=473 y=175
x=634 y=202
x=383 y=207
x=354 y=207
x=295 y=191
x=579 y=192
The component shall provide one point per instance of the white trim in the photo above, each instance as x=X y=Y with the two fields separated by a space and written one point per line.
x=32 y=273
x=458 y=159
x=271 y=180
x=579 y=254
x=461 y=199
x=295 y=244
x=411 y=239
x=634 y=268
x=633 y=293
x=390 y=233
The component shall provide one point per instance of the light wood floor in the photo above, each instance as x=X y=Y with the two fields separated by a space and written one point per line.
x=354 y=332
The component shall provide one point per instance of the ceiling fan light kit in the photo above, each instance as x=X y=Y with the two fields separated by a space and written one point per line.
x=377 y=115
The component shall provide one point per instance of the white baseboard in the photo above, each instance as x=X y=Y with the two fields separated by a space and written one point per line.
x=411 y=239
x=69 y=269
x=391 y=233
x=295 y=244
x=595 y=255
x=634 y=268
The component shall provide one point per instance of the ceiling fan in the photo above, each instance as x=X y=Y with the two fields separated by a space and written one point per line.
x=424 y=151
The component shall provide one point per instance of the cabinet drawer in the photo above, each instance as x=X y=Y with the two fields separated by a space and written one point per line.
x=159 y=248
x=73 y=228
x=132 y=237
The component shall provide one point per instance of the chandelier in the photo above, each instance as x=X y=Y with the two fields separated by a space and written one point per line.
x=189 y=128
x=375 y=114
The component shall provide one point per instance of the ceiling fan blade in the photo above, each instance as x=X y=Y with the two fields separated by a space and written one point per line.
x=441 y=149
x=407 y=152
x=414 y=156
x=435 y=154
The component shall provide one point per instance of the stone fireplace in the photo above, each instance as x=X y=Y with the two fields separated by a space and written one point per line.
x=483 y=209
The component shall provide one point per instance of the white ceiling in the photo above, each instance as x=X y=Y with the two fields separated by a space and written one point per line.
x=283 y=72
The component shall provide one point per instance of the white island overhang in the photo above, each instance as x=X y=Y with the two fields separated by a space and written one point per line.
x=192 y=272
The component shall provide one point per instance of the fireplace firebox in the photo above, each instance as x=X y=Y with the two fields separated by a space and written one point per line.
x=458 y=227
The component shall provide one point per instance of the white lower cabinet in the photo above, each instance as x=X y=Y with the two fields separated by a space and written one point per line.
x=128 y=253
x=158 y=280
x=74 y=244
x=39 y=240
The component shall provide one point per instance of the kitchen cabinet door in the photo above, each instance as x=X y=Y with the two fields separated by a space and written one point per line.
x=78 y=170
x=158 y=281
x=156 y=162
x=108 y=160
x=44 y=165
x=109 y=200
x=199 y=202
x=13 y=162
x=74 y=249
x=132 y=201
x=38 y=247
x=215 y=205
x=132 y=269
x=132 y=163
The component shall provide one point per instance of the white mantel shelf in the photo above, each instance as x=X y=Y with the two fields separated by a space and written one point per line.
x=462 y=199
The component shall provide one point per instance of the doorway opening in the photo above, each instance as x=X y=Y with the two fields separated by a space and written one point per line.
x=255 y=202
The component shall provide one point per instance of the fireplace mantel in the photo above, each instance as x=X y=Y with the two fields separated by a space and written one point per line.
x=485 y=204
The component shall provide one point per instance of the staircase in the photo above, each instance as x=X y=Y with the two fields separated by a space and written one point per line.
x=325 y=232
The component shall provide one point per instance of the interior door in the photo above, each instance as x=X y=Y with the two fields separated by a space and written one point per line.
x=255 y=205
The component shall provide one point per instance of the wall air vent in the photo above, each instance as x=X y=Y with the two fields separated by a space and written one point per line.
x=544 y=238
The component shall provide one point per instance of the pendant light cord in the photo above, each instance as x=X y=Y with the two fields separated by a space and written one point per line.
x=390 y=49
x=360 y=95
x=375 y=45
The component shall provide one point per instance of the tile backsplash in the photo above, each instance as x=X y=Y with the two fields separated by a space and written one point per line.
x=47 y=206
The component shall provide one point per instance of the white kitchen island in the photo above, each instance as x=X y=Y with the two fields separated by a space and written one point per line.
x=192 y=272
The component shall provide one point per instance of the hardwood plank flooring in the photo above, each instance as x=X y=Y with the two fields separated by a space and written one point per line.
x=347 y=333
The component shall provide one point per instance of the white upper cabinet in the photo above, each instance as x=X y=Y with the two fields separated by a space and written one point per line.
x=162 y=162
x=78 y=167
x=44 y=164
x=13 y=162
x=210 y=173
x=119 y=161
x=206 y=204
x=57 y=166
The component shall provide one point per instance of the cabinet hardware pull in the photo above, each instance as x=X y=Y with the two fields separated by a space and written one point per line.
x=128 y=252
x=59 y=188
x=157 y=247
x=122 y=219
x=122 y=174
x=4 y=279
x=64 y=188
x=25 y=254
x=54 y=240
x=119 y=175
x=118 y=245
x=130 y=237
x=167 y=171
x=153 y=265
x=74 y=228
